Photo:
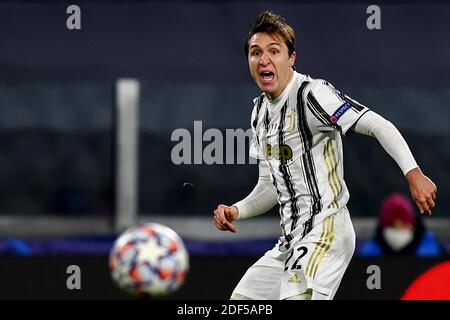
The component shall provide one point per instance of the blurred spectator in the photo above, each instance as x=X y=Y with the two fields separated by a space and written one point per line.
x=401 y=231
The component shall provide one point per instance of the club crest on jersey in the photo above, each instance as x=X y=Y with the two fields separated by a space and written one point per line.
x=291 y=120
x=280 y=152
x=340 y=111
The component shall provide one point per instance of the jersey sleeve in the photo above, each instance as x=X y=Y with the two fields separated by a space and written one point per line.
x=262 y=198
x=332 y=108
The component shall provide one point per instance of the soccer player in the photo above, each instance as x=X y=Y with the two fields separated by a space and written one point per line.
x=297 y=125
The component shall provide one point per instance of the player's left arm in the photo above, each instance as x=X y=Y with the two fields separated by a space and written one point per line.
x=337 y=111
x=423 y=190
x=332 y=109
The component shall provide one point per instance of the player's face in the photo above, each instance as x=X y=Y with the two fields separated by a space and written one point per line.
x=270 y=63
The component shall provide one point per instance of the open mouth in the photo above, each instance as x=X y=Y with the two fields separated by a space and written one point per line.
x=267 y=75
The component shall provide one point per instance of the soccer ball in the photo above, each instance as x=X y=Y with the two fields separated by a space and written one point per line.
x=149 y=260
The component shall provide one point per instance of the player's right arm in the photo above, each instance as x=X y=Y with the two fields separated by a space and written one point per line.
x=260 y=200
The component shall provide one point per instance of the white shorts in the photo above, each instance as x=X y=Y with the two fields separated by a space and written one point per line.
x=317 y=262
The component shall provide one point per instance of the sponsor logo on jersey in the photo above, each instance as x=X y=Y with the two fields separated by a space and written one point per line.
x=340 y=111
x=280 y=152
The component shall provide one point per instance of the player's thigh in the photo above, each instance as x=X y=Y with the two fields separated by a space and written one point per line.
x=319 y=261
x=332 y=253
x=262 y=279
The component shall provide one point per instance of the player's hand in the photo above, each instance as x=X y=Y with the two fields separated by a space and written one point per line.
x=423 y=190
x=224 y=216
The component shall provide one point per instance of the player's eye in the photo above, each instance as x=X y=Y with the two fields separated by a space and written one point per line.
x=255 y=53
x=274 y=51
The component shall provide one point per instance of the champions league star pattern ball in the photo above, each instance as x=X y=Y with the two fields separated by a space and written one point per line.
x=149 y=260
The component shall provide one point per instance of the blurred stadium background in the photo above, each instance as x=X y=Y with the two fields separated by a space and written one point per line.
x=85 y=153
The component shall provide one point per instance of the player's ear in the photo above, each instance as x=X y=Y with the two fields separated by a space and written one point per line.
x=292 y=59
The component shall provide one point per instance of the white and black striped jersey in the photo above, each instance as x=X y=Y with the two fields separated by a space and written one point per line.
x=298 y=136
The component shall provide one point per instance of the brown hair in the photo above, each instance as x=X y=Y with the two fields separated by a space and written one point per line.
x=272 y=23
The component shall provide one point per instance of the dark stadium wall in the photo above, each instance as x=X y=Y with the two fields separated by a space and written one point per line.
x=194 y=50
x=203 y=41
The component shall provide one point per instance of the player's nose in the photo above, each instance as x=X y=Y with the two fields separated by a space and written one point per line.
x=264 y=61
